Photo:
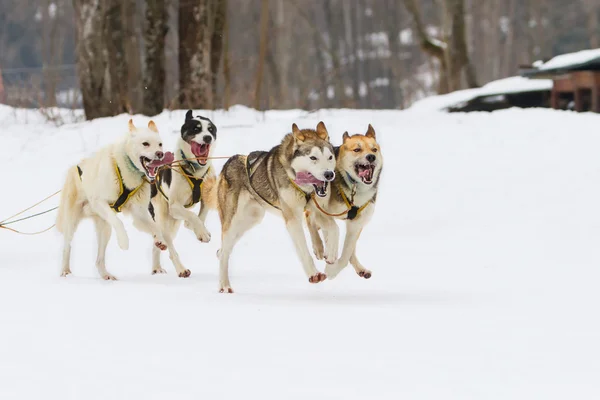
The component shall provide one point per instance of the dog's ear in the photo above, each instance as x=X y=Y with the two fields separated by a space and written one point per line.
x=345 y=136
x=152 y=126
x=132 y=128
x=322 y=131
x=189 y=115
x=370 y=132
x=298 y=135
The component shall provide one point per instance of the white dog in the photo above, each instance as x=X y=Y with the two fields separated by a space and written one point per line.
x=114 y=179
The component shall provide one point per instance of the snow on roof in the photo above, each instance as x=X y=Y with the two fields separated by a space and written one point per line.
x=514 y=84
x=571 y=60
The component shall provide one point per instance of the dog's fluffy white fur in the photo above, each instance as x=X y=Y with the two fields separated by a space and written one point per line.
x=92 y=194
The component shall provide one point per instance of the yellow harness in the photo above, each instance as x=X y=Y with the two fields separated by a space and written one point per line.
x=353 y=211
x=124 y=192
x=195 y=185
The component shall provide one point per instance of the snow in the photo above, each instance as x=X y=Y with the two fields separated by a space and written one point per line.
x=571 y=59
x=514 y=84
x=484 y=252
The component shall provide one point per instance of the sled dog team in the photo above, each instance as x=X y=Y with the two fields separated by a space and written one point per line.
x=304 y=177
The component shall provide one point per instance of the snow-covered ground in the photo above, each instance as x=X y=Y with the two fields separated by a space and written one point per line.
x=484 y=250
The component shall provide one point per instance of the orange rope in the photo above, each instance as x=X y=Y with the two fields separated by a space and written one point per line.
x=26 y=233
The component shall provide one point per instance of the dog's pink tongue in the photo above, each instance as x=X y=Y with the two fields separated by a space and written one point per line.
x=167 y=159
x=200 y=150
x=306 y=178
x=364 y=172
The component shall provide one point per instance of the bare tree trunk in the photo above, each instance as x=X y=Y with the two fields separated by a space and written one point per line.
x=154 y=36
x=430 y=46
x=118 y=61
x=132 y=54
x=335 y=51
x=194 y=54
x=458 y=54
x=264 y=28
x=226 y=67
x=592 y=8
x=216 y=48
x=95 y=77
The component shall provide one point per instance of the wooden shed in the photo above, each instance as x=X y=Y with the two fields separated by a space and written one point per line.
x=576 y=80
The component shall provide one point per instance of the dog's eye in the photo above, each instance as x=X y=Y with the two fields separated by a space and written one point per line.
x=331 y=157
x=211 y=129
x=160 y=145
x=356 y=150
x=313 y=158
x=374 y=150
x=196 y=129
x=146 y=144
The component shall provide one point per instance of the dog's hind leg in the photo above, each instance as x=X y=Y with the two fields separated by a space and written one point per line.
x=69 y=227
x=103 y=232
x=182 y=271
x=239 y=223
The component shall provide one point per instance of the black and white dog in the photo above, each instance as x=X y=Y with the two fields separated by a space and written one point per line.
x=179 y=189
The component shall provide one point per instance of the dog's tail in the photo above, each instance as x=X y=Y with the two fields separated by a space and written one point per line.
x=68 y=198
x=210 y=190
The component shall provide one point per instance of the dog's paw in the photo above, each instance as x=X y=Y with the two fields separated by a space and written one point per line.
x=160 y=245
x=203 y=235
x=225 y=289
x=331 y=254
x=185 y=273
x=123 y=241
x=319 y=251
x=158 y=270
x=108 y=277
x=318 y=277
x=65 y=272
x=364 y=274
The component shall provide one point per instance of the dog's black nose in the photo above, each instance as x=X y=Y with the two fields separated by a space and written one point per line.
x=207 y=139
x=160 y=154
x=329 y=175
x=370 y=157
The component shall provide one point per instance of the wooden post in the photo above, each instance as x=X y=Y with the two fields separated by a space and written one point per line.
x=554 y=95
x=578 y=98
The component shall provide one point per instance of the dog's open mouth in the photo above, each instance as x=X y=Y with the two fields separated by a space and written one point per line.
x=365 y=172
x=151 y=166
x=200 y=151
x=306 y=178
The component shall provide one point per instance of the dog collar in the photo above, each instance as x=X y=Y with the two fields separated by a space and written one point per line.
x=132 y=166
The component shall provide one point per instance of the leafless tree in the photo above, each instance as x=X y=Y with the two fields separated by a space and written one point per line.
x=154 y=37
x=194 y=54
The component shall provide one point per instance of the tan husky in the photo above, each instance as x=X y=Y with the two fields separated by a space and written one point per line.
x=352 y=198
x=281 y=180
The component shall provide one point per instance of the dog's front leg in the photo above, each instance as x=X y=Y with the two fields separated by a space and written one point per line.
x=143 y=221
x=353 y=229
x=331 y=234
x=103 y=210
x=191 y=220
x=315 y=238
x=293 y=223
